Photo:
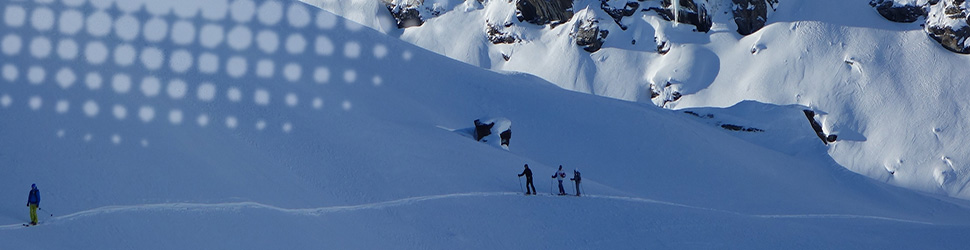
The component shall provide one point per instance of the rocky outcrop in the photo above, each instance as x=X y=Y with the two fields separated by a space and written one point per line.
x=662 y=96
x=619 y=9
x=751 y=15
x=495 y=131
x=405 y=15
x=904 y=13
x=946 y=20
x=542 y=12
x=826 y=139
x=947 y=23
x=587 y=33
x=497 y=34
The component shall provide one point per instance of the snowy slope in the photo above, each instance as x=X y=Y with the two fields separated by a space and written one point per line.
x=893 y=94
x=340 y=144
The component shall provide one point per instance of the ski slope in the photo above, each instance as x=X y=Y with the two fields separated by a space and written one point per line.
x=163 y=133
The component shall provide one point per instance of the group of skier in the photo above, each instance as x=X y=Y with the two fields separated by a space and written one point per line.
x=559 y=175
x=33 y=199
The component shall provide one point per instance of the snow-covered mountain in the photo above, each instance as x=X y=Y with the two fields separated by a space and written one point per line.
x=273 y=124
x=886 y=84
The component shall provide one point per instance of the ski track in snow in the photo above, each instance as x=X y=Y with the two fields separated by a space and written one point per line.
x=202 y=207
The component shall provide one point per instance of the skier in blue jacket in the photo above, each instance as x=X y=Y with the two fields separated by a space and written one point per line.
x=33 y=201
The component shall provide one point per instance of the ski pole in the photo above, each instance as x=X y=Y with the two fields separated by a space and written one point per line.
x=41 y=209
x=520 y=184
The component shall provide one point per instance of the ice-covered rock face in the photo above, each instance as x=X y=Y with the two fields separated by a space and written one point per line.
x=689 y=12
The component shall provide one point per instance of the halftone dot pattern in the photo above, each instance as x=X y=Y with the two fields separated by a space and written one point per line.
x=120 y=112
x=11 y=44
x=67 y=49
x=65 y=77
x=174 y=64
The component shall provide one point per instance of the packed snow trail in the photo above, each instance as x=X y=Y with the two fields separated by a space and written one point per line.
x=205 y=207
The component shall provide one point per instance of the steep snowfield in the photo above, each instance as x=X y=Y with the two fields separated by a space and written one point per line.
x=144 y=142
x=895 y=96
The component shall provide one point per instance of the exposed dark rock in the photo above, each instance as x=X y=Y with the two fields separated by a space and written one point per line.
x=589 y=34
x=495 y=131
x=482 y=129
x=708 y=116
x=903 y=14
x=619 y=12
x=497 y=36
x=816 y=126
x=733 y=127
x=506 y=136
x=751 y=15
x=542 y=12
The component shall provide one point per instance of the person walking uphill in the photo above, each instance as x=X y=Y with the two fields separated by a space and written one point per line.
x=576 y=178
x=528 y=180
x=33 y=201
x=559 y=175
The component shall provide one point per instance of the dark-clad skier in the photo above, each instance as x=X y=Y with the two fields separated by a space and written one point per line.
x=528 y=180
x=576 y=178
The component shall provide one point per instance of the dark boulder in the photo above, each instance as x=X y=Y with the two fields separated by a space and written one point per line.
x=506 y=136
x=751 y=15
x=482 y=129
x=907 y=13
x=589 y=34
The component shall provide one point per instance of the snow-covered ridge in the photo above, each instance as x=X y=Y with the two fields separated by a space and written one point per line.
x=867 y=77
